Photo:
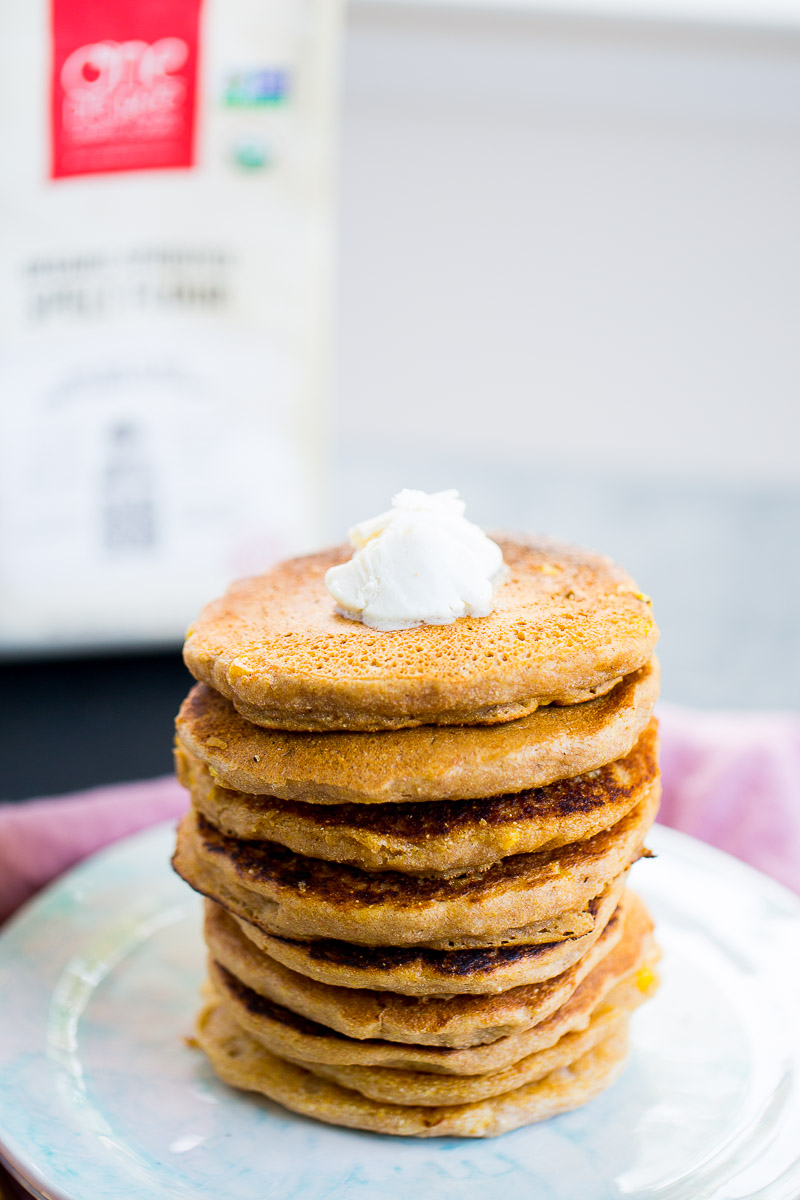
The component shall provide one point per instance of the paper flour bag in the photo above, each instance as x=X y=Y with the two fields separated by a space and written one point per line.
x=164 y=286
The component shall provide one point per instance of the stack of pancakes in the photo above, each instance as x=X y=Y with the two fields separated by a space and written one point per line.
x=414 y=845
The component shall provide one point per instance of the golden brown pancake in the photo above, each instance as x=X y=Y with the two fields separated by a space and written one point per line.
x=413 y=971
x=417 y=1087
x=294 y=1036
x=426 y=763
x=299 y=897
x=428 y=1088
x=440 y=837
x=462 y=1020
x=242 y=1062
x=566 y=627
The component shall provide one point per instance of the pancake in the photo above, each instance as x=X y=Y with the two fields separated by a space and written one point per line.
x=566 y=627
x=294 y=1036
x=242 y=1062
x=419 y=1087
x=415 y=1087
x=417 y=972
x=460 y=1020
x=440 y=837
x=426 y=763
x=299 y=897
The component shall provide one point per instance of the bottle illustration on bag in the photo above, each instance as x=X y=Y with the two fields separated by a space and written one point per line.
x=128 y=510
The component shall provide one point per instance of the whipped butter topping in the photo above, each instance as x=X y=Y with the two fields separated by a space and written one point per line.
x=421 y=563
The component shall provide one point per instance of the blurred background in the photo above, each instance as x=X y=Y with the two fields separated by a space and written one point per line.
x=566 y=281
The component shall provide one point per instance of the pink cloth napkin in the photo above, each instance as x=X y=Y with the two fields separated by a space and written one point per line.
x=41 y=838
x=732 y=779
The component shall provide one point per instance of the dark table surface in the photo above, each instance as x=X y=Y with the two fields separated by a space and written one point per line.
x=9 y=1188
x=73 y=723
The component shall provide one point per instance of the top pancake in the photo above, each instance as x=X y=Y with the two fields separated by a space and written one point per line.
x=567 y=625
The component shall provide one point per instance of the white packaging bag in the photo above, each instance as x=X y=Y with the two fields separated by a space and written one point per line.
x=165 y=236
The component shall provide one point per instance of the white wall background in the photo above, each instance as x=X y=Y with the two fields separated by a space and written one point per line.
x=572 y=239
x=569 y=284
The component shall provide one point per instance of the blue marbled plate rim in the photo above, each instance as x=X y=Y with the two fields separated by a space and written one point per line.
x=135 y=851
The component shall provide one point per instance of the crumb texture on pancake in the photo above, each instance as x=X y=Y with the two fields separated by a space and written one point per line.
x=566 y=627
x=301 y=897
x=295 y=1036
x=415 y=971
x=440 y=837
x=460 y=1020
x=431 y=1087
x=241 y=1062
x=424 y=763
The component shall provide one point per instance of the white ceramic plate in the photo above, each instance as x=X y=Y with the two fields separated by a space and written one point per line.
x=102 y=1099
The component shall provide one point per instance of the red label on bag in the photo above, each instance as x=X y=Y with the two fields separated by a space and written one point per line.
x=123 y=85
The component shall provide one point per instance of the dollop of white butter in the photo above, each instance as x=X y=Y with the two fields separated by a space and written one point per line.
x=420 y=563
